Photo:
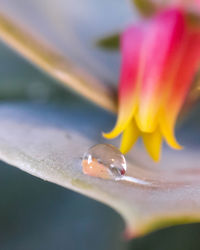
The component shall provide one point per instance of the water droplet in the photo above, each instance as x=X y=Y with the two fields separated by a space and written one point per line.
x=104 y=161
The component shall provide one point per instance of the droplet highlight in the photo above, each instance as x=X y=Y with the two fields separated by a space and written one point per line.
x=104 y=161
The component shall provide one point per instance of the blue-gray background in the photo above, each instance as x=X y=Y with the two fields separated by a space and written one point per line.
x=35 y=214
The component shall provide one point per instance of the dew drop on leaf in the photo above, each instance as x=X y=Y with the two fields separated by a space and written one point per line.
x=104 y=161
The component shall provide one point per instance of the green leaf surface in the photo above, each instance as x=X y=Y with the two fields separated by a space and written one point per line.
x=110 y=42
x=49 y=142
x=146 y=7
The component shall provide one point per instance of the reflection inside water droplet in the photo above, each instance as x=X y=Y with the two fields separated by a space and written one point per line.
x=104 y=161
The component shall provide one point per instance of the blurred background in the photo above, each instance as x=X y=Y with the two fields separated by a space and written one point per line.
x=37 y=215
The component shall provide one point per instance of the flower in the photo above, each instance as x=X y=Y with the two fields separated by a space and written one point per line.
x=160 y=57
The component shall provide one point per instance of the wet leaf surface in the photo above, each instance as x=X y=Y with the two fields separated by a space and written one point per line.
x=49 y=141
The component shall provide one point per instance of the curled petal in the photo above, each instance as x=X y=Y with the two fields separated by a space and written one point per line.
x=153 y=143
x=162 y=49
x=129 y=137
x=128 y=89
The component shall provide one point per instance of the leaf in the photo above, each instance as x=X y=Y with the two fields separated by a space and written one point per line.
x=146 y=7
x=72 y=30
x=50 y=60
x=48 y=141
x=110 y=42
x=59 y=40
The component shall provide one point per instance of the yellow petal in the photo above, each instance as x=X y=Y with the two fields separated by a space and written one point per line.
x=126 y=113
x=129 y=137
x=147 y=121
x=168 y=133
x=153 y=143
